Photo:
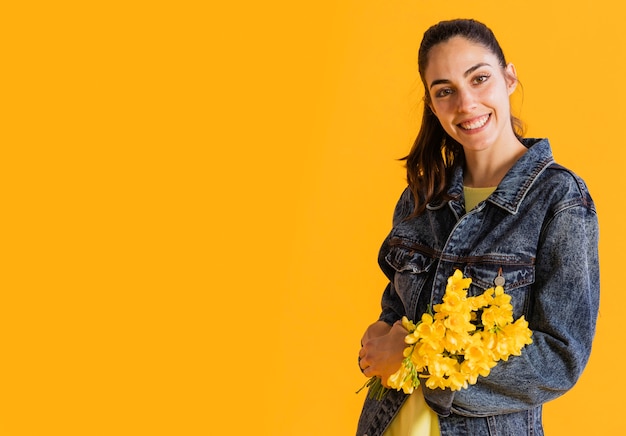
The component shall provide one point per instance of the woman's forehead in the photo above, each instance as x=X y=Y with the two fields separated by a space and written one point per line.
x=456 y=56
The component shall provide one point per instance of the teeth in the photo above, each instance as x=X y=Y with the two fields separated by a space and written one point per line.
x=475 y=124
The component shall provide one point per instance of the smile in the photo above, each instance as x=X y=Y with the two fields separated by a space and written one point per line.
x=476 y=123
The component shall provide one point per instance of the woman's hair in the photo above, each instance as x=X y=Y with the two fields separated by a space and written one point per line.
x=435 y=155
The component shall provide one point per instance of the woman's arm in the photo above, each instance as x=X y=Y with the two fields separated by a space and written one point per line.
x=562 y=315
x=383 y=343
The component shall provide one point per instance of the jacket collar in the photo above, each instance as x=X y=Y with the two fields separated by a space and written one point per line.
x=516 y=183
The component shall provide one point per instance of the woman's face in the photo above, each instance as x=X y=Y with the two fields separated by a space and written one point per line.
x=469 y=93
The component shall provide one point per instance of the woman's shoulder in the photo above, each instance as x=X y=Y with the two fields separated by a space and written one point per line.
x=404 y=206
x=566 y=177
x=554 y=177
x=565 y=184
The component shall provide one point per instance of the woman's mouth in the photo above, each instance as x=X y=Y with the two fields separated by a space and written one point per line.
x=476 y=123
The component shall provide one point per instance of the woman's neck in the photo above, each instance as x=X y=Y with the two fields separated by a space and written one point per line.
x=487 y=168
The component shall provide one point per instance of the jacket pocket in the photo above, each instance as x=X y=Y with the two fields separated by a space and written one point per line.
x=516 y=276
x=412 y=267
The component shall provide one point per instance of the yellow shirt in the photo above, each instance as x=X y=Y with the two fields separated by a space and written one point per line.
x=415 y=418
x=473 y=196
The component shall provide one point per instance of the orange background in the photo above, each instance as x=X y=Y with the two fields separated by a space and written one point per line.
x=194 y=194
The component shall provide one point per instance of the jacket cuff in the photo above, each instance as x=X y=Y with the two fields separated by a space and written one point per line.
x=440 y=400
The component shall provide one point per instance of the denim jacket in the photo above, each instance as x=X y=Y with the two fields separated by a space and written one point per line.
x=539 y=230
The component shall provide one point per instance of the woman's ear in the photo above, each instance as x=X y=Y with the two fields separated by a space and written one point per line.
x=510 y=75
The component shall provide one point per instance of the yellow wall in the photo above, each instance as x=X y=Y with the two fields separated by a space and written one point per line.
x=194 y=197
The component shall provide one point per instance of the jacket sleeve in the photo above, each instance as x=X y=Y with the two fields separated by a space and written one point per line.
x=392 y=307
x=562 y=313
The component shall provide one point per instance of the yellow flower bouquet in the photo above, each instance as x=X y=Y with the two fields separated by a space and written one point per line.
x=464 y=338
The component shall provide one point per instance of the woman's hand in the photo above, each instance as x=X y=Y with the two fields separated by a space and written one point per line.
x=381 y=351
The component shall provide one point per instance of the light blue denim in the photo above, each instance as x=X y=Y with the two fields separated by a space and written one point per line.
x=540 y=229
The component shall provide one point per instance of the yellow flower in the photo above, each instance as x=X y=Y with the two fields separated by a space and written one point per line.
x=483 y=300
x=519 y=335
x=500 y=298
x=402 y=379
x=408 y=324
x=459 y=322
x=496 y=316
x=452 y=303
x=457 y=283
x=451 y=348
x=457 y=380
x=434 y=382
x=454 y=342
x=428 y=349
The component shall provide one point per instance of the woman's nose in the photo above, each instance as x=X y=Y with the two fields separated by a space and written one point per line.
x=466 y=100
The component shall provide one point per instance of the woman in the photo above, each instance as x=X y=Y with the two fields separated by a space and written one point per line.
x=485 y=200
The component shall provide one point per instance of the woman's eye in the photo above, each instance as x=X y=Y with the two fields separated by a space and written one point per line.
x=443 y=92
x=482 y=78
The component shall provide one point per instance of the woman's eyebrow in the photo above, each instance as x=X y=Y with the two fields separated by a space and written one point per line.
x=465 y=74
x=474 y=68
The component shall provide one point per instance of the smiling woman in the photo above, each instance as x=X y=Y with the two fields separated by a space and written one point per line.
x=468 y=91
x=485 y=200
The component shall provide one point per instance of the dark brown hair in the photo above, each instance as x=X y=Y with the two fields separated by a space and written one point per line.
x=435 y=155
